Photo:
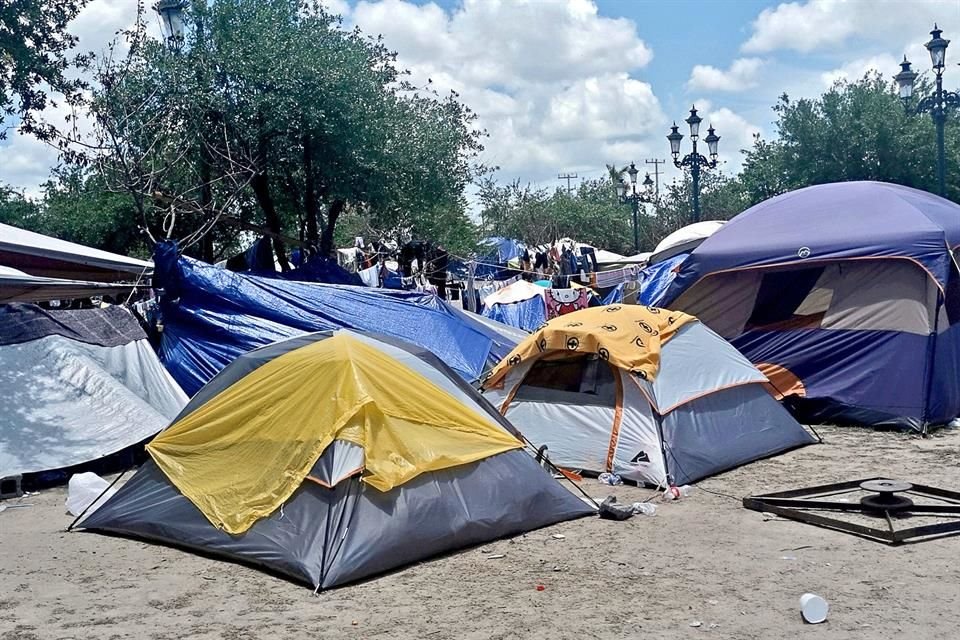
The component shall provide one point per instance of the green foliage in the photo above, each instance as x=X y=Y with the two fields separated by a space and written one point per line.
x=854 y=131
x=592 y=214
x=33 y=59
x=273 y=113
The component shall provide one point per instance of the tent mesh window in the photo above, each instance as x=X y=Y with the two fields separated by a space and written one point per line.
x=589 y=378
x=781 y=296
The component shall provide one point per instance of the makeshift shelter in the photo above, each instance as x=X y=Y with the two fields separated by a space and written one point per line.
x=526 y=305
x=211 y=316
x=41 y=255
x=17 y=286
x=77 y=386
x=846 y=295
x=372 y=455
x=649 y=394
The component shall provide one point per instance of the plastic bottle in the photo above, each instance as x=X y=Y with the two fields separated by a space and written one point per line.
x=675 y=493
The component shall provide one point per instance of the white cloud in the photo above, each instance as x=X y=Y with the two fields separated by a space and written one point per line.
x=818 y=24
x=885 y=63
x=550 y=80
x=741 y=75
x=508 y=43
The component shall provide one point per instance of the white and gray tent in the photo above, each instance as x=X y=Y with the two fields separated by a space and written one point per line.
x=337 y=527
x=706 y=410
x=77 y=386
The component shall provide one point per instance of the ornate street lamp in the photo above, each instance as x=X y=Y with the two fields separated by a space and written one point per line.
x=936 y=104
x=694 y=161
x=628 y=193
x=171 y=17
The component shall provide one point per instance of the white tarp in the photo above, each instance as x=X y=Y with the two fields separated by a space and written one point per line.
x=67 y=402
x=685 y=239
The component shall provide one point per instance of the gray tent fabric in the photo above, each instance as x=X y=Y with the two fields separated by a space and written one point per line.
x=727 y=429
x=107 y=327
x=326 y=537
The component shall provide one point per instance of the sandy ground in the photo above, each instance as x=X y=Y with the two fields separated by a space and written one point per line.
x=704 y=559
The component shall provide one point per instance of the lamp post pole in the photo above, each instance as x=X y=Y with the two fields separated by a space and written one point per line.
x=694 y=161
x=628 y=193
x=936 y=104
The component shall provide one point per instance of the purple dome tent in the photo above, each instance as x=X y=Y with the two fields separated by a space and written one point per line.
x=846 y=295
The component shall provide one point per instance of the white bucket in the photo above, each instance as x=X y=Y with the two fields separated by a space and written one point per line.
x=813 y=608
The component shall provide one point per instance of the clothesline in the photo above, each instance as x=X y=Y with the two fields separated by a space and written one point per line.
x=601 y=279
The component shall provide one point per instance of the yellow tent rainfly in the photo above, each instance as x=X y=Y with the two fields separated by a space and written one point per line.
x=243 y=453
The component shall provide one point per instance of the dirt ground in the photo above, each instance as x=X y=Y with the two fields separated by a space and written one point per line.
x=704 y=559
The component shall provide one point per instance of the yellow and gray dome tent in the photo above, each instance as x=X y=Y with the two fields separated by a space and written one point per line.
x=334 y=456
x=647 y=393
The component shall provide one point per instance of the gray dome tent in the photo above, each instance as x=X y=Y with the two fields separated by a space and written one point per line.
x=337 y=526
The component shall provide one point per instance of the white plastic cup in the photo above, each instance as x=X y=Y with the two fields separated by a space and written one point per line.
x=813 y=608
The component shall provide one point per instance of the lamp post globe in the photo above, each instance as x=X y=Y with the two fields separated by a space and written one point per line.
x=171 y=18
x=694 y=121
x=937 y=48
x=905 y=79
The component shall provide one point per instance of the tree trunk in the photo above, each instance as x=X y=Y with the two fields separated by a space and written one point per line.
x=311 y=208
x=333 y=213
x=261 y=189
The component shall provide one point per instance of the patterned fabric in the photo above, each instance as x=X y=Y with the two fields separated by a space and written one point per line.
x=627 y=336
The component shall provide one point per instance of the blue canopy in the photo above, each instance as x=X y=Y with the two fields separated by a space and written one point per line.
x=211 y=316
x=831 y=222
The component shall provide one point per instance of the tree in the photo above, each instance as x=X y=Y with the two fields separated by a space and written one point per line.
x=34 y=46
x=592 y=214
x=854 y=131
x=271 y=113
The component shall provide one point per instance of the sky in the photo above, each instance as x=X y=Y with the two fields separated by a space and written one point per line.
x=567 y=86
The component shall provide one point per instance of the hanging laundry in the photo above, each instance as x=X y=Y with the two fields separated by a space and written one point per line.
x=564 y=301
x=371 y=276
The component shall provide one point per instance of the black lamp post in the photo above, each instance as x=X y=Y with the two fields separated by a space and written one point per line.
x=936 y=104
x=627 y=192
x=694 y=160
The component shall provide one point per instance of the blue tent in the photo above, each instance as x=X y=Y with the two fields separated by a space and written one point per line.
x=211 y=316
x=846 y=295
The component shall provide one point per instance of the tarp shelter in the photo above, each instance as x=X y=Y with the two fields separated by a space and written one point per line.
x=332 y=457
x=17 y=286
x=846 y=295
x=77 y=386
x=649 y=394
x=211 y=316
x=41 y=255
x=526 y=305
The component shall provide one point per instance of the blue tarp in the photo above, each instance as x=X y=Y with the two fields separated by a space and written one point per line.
x=317 y=269
x=527 y=314
x=656 y=279
x=211 y=316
